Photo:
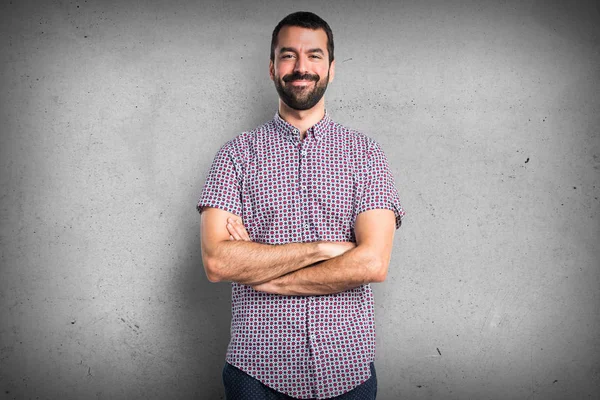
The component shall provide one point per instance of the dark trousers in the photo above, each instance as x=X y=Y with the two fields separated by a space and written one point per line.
x=241 y=386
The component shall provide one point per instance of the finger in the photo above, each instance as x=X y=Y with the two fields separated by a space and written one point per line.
x=241 y=229
x=259 y=288
x=233 y=232
x=239 y=232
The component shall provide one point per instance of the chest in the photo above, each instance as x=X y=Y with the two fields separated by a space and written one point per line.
x=301 y=191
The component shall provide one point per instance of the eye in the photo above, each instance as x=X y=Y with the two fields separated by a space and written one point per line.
x=287 y=56
x=318 y=57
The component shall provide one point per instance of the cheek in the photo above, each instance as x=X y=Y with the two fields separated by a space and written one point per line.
x=323 y=72
x=283 y=68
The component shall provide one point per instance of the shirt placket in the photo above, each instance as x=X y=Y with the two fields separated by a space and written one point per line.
x=306 y=228
x=304 y=206
x=314 y=341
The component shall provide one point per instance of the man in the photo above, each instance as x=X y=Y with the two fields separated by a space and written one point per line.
x=300 y=215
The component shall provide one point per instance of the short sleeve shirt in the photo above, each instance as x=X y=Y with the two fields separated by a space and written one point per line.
x=290 y=190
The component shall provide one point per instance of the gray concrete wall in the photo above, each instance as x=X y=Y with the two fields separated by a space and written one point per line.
x=112 y=111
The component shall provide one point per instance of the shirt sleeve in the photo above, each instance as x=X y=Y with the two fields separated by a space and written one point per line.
x=222 y=188
x=379 y=186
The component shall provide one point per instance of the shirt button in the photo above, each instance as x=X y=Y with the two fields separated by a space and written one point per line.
x=306 y=225
x=303 y=152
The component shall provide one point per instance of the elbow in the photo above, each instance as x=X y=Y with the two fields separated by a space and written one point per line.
x=379 y=270
x=213 y=262
x=212 y=277
x=380 y=276
x=213 y=274
x=376 y=266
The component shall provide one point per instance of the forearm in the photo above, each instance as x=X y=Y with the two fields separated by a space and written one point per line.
x=252 y=263
x=347 y=271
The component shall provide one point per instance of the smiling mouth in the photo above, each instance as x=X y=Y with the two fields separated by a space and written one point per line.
x=301 y=82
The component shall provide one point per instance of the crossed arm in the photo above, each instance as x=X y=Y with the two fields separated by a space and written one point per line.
x=314 y=268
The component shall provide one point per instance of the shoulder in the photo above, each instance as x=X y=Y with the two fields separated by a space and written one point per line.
x=245 y=143
x=357 y=139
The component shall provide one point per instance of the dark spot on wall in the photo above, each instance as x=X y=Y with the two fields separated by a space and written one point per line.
x=555 y=381
x=574 y=187
x=526 y=161
x=438 y=350
x=419 y=386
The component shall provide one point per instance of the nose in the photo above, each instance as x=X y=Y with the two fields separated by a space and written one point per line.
x=301 y=65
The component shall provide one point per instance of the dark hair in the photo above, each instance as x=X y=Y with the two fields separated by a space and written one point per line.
x=303 y=19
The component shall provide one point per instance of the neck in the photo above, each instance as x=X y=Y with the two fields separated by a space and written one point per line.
x=302 y=119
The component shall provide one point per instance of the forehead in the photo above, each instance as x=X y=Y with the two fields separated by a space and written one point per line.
x=297 y=37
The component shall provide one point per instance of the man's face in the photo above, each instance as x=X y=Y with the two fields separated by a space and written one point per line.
x=301 y=69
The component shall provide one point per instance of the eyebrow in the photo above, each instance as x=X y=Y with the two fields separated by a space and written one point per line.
x=291 y=49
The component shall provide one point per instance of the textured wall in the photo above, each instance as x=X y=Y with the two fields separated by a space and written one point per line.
x=111 y=114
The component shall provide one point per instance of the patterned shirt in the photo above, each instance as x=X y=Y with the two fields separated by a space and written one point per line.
x=290 y=190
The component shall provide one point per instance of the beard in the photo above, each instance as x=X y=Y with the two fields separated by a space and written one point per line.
x=300 y=98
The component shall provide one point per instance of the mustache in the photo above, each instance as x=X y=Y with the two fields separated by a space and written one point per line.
x=297 y=76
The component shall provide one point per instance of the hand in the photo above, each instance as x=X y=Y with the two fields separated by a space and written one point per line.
x=237 y=230
x=267 y=287
x=334 y=249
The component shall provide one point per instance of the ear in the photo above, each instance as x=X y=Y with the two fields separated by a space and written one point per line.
x=271 y=70
x=331 y=71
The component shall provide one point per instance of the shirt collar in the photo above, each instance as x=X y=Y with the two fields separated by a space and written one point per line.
x=289 y=131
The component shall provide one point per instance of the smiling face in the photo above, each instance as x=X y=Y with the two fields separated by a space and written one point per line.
x=301 y=68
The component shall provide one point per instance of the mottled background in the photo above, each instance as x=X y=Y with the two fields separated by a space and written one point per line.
x=111 y=113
